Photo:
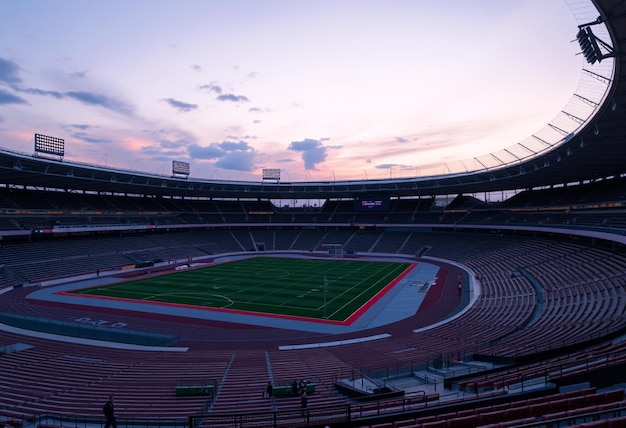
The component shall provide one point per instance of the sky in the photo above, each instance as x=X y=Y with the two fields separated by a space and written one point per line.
x=320 y=89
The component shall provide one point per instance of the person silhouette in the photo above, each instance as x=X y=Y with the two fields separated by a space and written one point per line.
x=109 y=413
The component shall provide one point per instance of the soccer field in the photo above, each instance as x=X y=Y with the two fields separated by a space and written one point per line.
x=290 y=287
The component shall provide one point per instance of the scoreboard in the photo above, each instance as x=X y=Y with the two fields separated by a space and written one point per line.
x=378 y=202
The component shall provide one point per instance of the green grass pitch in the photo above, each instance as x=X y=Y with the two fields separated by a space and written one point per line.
x=291 y=287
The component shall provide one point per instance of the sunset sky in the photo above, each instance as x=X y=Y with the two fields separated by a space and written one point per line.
x=323 y=90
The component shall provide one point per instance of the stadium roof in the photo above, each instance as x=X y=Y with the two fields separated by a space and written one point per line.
x=595 y=151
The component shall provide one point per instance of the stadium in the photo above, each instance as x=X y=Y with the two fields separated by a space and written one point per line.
x=411 y=302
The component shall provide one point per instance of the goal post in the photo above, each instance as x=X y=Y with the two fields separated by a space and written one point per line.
x=334 y=250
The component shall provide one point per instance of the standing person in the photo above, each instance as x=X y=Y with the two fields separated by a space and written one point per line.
x=303 y=400
x=109 y=413
x=269 y=389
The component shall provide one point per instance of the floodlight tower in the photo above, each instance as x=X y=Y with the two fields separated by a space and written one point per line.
x=180 y=169
x=591 y=46
x=49 y=146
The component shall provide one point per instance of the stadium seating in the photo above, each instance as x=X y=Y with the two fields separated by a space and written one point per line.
x=537 y=294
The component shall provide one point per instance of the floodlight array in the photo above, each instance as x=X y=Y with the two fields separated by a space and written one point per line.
x=181 y=168
x=271 y=174
x=589 y=45
x=49 y=145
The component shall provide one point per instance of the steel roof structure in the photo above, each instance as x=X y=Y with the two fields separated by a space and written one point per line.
x=596 y=151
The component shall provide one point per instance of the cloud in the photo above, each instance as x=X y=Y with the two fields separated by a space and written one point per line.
x=85 y=97
x=231 y=146
x=212 y=87
x=158 y=152
x=166 y=151
x=405 y=140
x=238 y=156
x=83 y=136
x=312 y=152
x=181 y=106
x=233 y=98
x=78 y=74
x=239 y=161
x=173 y=144
x=8 y=98
x=210 y=152
x=245 y=137
x=99 y=100
x=9 y=72
x=257 y=110
x=221 y=96
x=82 y=127
x=42 y=92
x=393 y=165
x=166 y=144
x=81 y=132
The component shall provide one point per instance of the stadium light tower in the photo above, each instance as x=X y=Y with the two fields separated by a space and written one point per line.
x=591 y=46
x=49 y=145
